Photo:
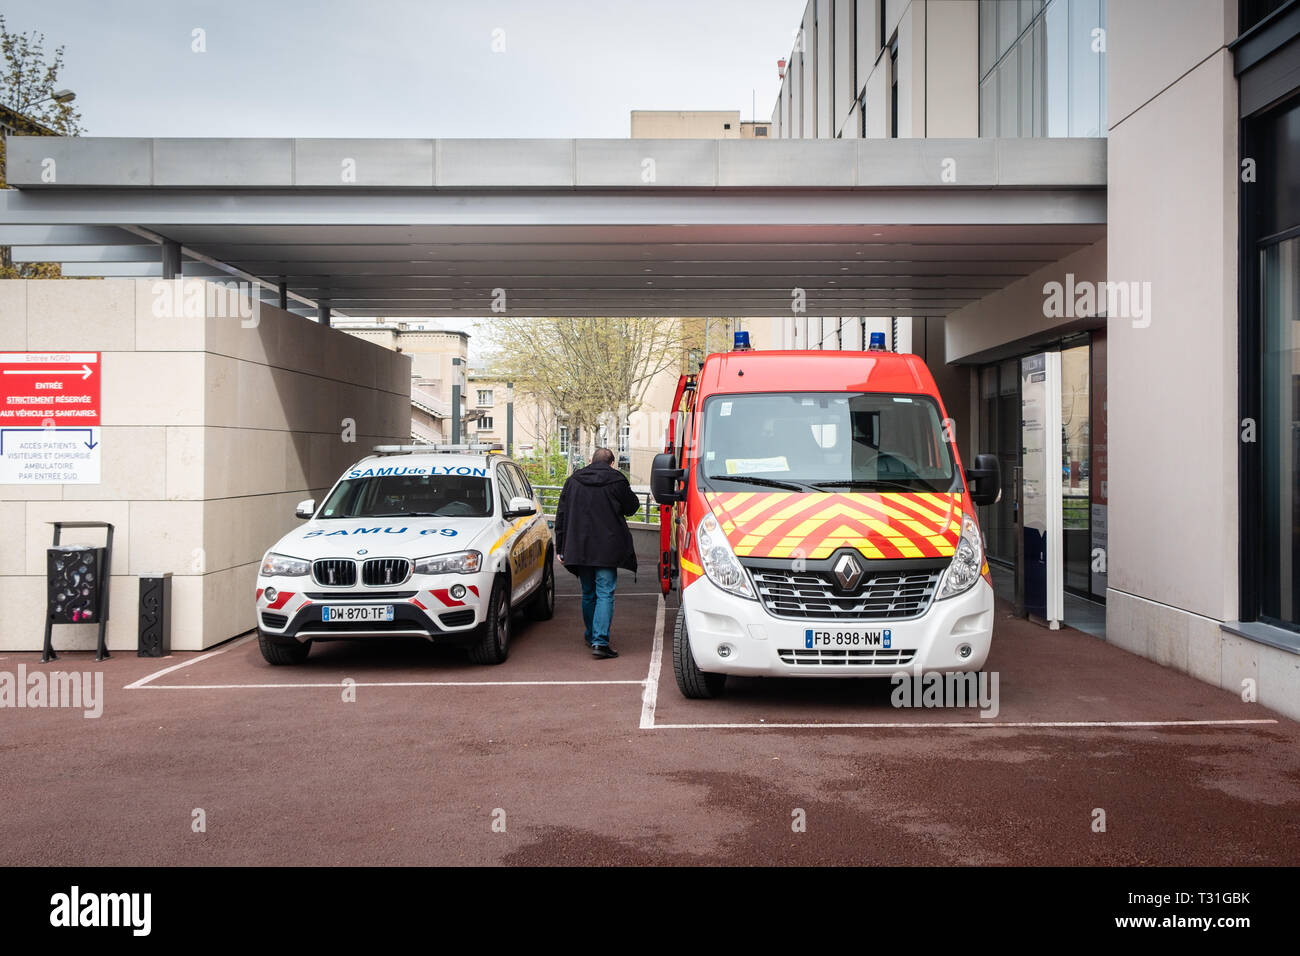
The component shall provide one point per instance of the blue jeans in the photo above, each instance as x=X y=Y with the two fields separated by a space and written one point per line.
x=597 y=602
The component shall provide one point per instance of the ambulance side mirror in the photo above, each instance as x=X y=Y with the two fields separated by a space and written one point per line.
x=664 y=478
x=985 y=480
x=519 y=508
x=305 y=509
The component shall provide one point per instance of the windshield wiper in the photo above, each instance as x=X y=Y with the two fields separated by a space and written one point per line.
x=864 y=483
x=402 y=514
x=769 y=482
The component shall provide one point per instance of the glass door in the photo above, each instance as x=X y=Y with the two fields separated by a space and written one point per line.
x=1279 y=532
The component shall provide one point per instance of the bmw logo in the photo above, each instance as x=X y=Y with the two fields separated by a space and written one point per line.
x=362 y=551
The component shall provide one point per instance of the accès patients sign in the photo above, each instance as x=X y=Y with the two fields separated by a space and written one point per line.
x=49 y=418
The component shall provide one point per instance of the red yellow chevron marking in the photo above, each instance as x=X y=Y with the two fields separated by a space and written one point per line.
x=892 y=524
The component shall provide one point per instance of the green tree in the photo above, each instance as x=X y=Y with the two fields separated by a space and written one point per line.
x=28 y=80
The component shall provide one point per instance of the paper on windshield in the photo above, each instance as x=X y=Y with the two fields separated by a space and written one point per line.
x=745 y=466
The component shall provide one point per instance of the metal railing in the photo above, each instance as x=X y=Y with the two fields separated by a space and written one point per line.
x=550 y=497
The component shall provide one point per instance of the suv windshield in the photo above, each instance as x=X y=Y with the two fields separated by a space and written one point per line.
x=387 y=496
x=836 y=441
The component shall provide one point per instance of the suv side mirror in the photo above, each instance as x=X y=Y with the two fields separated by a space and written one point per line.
x=519 y=507
x=985 y=480
x=305 y=509
x=664 y=476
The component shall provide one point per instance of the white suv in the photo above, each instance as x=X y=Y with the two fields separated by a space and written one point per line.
x=440 y=542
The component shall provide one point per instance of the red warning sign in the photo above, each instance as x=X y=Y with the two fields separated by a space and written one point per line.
x=44 y=389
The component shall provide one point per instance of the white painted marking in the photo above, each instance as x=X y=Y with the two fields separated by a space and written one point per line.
x=175 y=667
x=399 y=683
x=617 y=594
x=920 y=725
x=650 y=695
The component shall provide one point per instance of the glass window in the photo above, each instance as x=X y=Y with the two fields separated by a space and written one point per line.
x=989 y=106
x=624 y=439
x=485 y=398
x=1028 y=83
x=1056 y=72
x=564 y=439
x=1008 y=24
x=408 y=496
x=485 y=423
x=988 y=35
x=1009 y=95
x=828 y=441
x=1085 y=68
x=508 y=485
x=1280 y=433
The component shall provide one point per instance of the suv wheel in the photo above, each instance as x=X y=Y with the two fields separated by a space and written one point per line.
x=542 y=606
x=691 y=681
x=275 y=652
x=493 y=644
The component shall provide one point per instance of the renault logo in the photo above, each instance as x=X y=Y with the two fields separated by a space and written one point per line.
x=848 y=572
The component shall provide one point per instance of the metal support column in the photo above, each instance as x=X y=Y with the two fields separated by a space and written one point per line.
x=171 y=259
x=455 y=401
x=510 y=419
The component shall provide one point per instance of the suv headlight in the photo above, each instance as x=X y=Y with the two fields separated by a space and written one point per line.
x=281 y=565
x=463 y=562
x=964 y=570
x=719 y=561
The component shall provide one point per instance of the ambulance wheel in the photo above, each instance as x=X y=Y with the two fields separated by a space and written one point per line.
x=275 y=652
x=542 y=605
x=691 y=681
x=493 y=644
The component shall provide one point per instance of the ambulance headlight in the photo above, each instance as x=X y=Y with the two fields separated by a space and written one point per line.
x=281 y=565
x=719 y=561
x=463 y=562
x=964 y=570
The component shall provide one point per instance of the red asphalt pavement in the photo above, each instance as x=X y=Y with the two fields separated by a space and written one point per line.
x=434 y=750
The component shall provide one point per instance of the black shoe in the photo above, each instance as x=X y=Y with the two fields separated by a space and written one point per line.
x=603 y=651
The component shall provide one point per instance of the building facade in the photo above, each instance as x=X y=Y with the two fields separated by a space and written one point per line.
x=1168 y=348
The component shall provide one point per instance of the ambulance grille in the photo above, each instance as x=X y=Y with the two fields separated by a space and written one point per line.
x=335 y=572
x=833 y=656
x=381 y=572
x=810 y=595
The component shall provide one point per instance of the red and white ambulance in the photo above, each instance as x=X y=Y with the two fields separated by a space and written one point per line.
x=816 y=514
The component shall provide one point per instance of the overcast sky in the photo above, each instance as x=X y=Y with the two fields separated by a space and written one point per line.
x=408 y=67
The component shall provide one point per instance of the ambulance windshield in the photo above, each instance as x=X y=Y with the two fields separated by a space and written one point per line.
x=826 y=442
x=410 y=496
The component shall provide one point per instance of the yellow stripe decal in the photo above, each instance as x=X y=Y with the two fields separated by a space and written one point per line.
x=691 y=566
x=510 y=531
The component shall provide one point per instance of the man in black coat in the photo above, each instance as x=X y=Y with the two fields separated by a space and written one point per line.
x=592 y=540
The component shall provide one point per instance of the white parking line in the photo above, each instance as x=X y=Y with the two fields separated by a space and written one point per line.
x=650 y=696
x=175 y=667
x=922 y=725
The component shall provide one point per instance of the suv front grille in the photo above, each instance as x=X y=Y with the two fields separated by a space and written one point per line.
x=835 y=656
x=888 y=595
x=335 y=572
x=382 y=572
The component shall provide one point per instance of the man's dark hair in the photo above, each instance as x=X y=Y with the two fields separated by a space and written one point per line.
x=603 y=456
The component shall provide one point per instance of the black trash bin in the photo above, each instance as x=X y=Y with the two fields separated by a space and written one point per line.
x=76 y=585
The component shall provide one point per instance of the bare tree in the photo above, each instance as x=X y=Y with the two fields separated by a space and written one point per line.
x=592 y=371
